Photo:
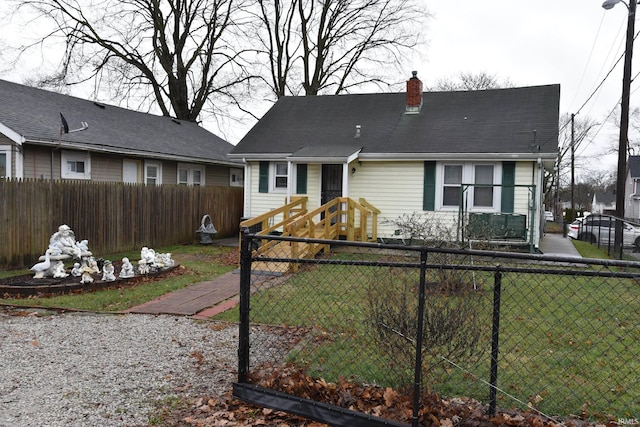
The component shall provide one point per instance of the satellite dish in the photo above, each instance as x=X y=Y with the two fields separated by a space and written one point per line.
x=64 y=128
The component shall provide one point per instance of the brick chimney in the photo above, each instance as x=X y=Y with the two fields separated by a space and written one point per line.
x=414 y=94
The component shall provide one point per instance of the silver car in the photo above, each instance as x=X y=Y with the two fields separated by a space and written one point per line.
x=600 y=229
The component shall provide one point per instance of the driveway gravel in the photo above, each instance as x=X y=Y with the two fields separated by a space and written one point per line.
x=79 y=369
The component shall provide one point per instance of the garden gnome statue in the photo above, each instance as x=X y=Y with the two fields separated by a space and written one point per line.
x=108 y=272
x=126 y=271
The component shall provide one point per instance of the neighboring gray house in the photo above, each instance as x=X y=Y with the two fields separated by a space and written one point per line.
x=604 y=203
x=407 y=152
x=632 y=189
x=118 y=144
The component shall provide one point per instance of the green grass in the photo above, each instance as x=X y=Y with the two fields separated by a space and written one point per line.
x=198 y=263
x=566 y=341
x=588 y=250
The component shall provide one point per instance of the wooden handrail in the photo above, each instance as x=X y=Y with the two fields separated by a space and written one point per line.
x=334 y=219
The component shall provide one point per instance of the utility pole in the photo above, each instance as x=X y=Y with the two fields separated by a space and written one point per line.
x=573 y=169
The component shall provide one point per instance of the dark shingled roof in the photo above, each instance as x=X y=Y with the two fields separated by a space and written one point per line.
x=35 y=115
x=488 y=121
x=634 y=166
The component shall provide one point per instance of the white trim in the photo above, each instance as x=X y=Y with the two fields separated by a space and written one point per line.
x=6 y=150
x=70 y=162
x=11 y=134
x=158 y=166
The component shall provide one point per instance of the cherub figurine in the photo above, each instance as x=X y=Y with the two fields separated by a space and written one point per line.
x=58 y=270
x=108 y=272
x=143 y=267
x=127 y=269
x=148 y=255
x=76 y=271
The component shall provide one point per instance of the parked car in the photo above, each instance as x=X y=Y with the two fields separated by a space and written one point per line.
x=600 y=229
x=548 y=215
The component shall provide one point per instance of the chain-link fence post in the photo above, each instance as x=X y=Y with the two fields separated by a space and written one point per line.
x=495 y=342
x=417 y=378
x=245 y=293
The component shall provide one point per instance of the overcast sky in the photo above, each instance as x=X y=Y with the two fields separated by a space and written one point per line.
x=571 y=42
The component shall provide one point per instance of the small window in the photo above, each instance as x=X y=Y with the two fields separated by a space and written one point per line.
x=280 y=175
x=183 y=176
x=153 y=173
x=236 y=177
x=75 y=165
x=3 y=165
x=452 y=185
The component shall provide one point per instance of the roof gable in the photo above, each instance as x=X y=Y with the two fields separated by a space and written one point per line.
x=514 y=120
x=35 y=115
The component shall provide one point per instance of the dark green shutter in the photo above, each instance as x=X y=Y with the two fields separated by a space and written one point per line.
x=429 y=196
x=263 y=183
x=508 y=189
x=301 y=179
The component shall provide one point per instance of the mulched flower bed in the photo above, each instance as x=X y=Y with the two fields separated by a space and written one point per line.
x=27 y=286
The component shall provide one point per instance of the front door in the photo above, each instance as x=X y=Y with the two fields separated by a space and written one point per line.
x=331 y=184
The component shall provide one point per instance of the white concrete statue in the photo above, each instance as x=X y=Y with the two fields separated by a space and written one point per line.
x=42 y=267
x=143 y=267
x=108 y=272
x=86 y=274
x=76 y=271
x=126 y=271
x=63 y=242
x=164 y=260
x=59 y=271
x=148 y=255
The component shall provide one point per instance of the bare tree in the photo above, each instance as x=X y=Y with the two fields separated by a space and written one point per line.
x=471 y=81
x=332 y=46
x=174 y=55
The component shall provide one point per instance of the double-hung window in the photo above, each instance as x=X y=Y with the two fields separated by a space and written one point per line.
x=483 y=188
x=477 y=185
x=280 y=175
x=452 y=185
x=152 y=173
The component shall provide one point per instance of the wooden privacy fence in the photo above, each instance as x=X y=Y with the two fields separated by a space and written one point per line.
x=113 y=217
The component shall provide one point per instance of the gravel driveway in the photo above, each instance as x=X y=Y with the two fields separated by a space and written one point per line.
x=107 y=370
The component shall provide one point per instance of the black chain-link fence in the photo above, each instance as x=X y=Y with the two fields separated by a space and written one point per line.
x=557 y=336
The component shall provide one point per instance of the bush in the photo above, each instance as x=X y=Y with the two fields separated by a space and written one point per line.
x=452 y=327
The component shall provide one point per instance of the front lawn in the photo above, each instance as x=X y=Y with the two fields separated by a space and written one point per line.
x=568 y=343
